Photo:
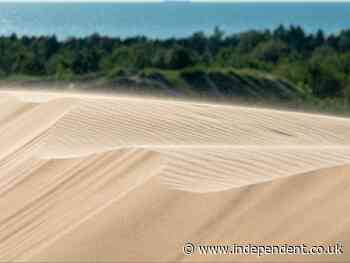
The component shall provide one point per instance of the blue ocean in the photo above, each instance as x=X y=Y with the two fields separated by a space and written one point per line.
x=164 y=20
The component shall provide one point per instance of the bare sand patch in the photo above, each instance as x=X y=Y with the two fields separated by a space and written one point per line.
x=107 y=179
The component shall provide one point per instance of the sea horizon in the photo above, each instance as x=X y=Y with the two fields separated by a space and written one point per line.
x=162 y=20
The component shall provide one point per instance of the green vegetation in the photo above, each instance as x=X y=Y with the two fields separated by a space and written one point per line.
x=285 y=64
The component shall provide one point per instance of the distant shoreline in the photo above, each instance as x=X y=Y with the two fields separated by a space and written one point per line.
x=162 y=20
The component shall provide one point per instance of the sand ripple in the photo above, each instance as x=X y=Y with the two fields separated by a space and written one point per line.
x=66 y=158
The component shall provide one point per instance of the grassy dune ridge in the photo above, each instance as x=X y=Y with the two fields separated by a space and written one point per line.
x=285 y=65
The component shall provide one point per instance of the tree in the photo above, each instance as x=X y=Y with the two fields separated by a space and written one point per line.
x=280 y=33
x=271 y=51
x=198 y=42
x=344 y=41
x=320 y=38
x=325 y=82
x=249 y=40
x=178 y=58
x=216 y=39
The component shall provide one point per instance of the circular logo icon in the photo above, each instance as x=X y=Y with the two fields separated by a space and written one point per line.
x=188 y=249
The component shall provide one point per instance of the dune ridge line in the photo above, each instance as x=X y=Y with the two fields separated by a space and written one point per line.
x=65 y=159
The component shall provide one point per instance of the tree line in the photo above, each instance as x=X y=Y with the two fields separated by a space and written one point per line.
x=317 y=63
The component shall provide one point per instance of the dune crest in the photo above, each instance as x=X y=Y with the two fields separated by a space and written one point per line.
x=204 y=147
x=101 y=125
x=66 y=158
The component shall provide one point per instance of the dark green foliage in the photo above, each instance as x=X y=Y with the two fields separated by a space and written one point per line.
x=179 y=57
x=317 y=64
x=271 y=51
x=198 y=79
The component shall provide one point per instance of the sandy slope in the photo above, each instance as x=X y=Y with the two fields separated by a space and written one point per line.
x=86 y=178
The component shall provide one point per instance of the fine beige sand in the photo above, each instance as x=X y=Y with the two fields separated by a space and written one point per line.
x=93 y=178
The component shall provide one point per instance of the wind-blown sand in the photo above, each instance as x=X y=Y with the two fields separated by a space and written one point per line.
x=109 y=179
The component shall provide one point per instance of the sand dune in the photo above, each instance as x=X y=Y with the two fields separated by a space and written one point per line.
x=111 y=124
x=152 y=223
x=97 y=178
x=218 y=169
